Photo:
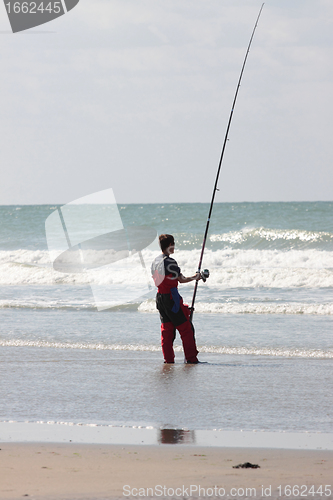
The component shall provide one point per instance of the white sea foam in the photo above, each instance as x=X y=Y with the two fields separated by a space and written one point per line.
x=265 y=351
x=240 y=277
x=78 y=345
x=256 y=351
x=149 y=306
x=229 y=269
x=263 y=259
x=33 y=303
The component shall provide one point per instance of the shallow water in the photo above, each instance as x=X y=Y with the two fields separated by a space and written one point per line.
x=263 y=323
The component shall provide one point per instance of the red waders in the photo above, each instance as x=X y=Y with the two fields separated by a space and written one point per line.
x=172 y=321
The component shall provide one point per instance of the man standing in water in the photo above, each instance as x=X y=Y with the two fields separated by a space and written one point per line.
x=173 y=313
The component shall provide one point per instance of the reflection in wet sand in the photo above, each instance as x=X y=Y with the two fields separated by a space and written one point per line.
x=176 y=436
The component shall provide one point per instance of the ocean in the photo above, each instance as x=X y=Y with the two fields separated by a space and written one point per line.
x=263 y=323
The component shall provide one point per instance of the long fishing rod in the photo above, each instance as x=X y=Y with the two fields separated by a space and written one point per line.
x=220 y=163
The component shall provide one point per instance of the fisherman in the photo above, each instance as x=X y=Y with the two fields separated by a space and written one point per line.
x=174 y=313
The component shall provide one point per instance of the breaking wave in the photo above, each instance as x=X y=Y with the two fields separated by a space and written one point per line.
x=251 y=308
x=230 y=268
x=149 y=306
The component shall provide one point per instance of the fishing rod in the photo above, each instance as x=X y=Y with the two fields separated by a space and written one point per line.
x=204 y=273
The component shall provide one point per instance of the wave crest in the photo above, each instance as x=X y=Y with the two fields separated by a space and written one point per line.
x=251 y=308
x=279 y=238
x=230 y=268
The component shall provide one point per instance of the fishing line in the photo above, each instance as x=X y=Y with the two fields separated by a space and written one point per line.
x=220 y=162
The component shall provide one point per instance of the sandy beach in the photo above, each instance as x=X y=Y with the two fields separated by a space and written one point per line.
x=50 y=471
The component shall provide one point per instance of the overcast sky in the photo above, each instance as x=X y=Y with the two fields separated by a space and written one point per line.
x=135 y=95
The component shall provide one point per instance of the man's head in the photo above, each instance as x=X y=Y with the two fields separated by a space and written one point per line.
x=166 y=240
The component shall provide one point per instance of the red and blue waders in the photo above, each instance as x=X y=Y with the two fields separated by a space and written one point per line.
x=174 y=314
x=170 y=321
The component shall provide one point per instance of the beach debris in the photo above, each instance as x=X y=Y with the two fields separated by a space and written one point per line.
x=246 y=465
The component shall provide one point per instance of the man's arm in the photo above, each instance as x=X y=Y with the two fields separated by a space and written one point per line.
x=182 y=278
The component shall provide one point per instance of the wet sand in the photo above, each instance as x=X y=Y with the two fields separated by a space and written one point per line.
x=83 y=471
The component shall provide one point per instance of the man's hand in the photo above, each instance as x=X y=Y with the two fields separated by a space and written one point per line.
x=204 y=275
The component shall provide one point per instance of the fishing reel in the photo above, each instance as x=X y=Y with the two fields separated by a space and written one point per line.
x=204 y=275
